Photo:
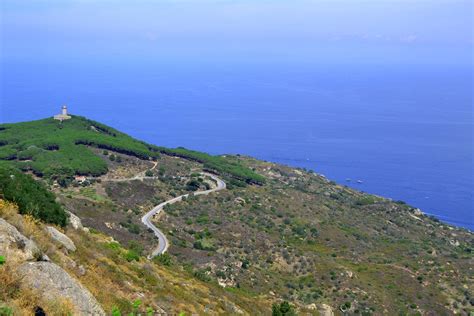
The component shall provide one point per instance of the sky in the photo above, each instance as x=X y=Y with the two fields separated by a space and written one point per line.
x=341 y=31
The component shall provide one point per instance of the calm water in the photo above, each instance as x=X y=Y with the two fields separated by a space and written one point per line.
x=405 y=131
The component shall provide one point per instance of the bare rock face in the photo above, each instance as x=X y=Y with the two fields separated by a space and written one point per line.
x=232 y=308
x=52 y=282
x=61 y=238
x=14 y=244
x=325 y=310
x=75 y=221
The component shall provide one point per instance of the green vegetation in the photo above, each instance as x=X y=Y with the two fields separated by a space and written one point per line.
x=313 y=242
x=193 y=185
x=131 y=227
x=365 y=200
x=131 y=255
x=149 y=173
x=307 y=240
x=134 y=251
x=53 y=149
x=216 y=163
x=6 y=311
x=283 y=309
x=32 y=197
x=47 y=146
x=164 y=259
x=135 y=305
x=2 y=260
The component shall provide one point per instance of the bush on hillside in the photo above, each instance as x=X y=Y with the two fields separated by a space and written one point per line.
x=283 y=309
x=192 y=185
x=164 y=259
x=32 y=197
x=149 y=173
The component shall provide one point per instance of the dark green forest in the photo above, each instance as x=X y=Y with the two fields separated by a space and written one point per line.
x=50 y=148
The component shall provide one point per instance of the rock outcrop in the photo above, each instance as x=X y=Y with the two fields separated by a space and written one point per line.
x=48 y=280
x=51 y=282
x=14 y=244
x=325 y=310
x=75 y=221
x=61 y=238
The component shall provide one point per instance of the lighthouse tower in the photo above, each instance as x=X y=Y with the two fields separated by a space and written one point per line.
x=63 y=116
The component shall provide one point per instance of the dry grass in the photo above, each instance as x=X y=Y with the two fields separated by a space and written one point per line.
x=113 y=281
x=8 y=210
x=23 y=301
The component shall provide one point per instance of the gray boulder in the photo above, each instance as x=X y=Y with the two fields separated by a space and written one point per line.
x=75 y=221
x=51 y=282
x=14 y=244
x=61 y=238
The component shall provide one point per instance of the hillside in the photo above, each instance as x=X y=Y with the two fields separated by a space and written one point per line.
x=56 y=149
x=275 y=234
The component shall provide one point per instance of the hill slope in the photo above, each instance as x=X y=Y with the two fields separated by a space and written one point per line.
x=52 y=148
x=277 y=233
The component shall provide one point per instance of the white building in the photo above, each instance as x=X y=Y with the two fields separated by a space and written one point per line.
x=63 y=116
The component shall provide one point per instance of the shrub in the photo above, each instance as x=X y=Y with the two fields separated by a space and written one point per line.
x=2 y=260
x=283 y=309
x=149 y=173
x=204 y=244
x=164 y=259
x=218 y=164
x=202 y=275
x=32 y=197
x=133 y=228
x=161 y=171
x=131 y=255
x=202 y=219
x=6 y=311
x=366 y=200
x=193 y=185
x=135 y=246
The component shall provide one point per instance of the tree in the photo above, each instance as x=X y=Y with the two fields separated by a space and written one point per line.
x=193 y=185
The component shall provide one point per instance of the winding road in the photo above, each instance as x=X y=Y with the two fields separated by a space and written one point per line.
x=163 y=243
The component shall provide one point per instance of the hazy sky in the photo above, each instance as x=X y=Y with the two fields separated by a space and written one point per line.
x=418 y=31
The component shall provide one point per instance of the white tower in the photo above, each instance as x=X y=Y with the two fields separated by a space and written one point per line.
x=63 y=116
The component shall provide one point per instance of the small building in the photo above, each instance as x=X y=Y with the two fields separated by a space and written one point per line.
x=63 y=116
x=80 y=179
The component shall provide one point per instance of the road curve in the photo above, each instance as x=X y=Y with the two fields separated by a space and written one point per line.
x=163 y=243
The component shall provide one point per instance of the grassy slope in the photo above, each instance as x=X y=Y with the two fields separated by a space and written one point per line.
x=48 y=147
x=312 y=241
x=113 y=280
x=307 y=240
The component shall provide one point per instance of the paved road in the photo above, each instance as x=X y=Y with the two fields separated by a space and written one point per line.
x=146 y=219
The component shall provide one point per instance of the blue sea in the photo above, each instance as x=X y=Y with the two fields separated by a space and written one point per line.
x=405 y=131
